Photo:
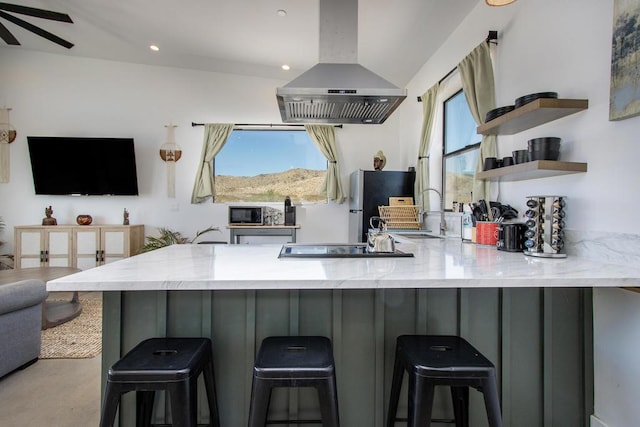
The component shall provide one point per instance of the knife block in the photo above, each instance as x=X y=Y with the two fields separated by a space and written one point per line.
x=545 y=226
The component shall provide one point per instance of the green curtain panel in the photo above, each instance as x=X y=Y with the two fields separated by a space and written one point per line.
x=429 y=99
x=215 y=136
x=476 y=72
x=325 y=138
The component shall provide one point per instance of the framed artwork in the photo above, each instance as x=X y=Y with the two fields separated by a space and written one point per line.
x=624 y=98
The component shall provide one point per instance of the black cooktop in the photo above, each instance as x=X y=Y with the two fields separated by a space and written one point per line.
x=335 y=250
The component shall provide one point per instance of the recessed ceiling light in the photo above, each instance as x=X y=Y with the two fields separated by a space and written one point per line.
x=286 y=67
x=281 y=12
x=154 y=48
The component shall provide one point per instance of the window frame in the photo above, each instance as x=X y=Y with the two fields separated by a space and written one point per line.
x=448 y=155
x=270 y=129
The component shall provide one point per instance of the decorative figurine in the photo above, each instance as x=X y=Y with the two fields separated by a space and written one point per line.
x=126 y=217
x=49 y=220
x=379 y=160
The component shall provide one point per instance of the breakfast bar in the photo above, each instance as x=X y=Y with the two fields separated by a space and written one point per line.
x=532 y=317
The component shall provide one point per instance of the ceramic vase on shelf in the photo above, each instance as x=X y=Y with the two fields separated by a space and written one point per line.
x=84 y=219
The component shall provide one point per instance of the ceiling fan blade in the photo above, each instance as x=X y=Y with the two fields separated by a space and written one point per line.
x=7 y=36
x=36 y=30
x=38 y=13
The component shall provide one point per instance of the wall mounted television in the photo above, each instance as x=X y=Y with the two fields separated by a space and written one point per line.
x=83 y=166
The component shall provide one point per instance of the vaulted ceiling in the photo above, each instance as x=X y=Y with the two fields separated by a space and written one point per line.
x=246 y=37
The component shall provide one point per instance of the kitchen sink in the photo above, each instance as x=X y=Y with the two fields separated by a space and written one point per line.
x=339 y=250
x=414 y=235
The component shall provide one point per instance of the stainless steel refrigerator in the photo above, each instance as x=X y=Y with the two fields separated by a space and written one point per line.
x=369 y=189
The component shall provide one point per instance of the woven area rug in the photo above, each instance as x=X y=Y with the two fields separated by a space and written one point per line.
x=79 y=338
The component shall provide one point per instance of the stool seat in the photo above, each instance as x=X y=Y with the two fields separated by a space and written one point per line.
x=284 y=357
x=432 y=360
x=288 y=361
x=171 y=364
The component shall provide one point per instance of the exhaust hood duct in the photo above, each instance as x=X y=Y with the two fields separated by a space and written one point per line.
x=338 y=89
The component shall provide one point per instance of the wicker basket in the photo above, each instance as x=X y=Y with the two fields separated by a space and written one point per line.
x=400 y=217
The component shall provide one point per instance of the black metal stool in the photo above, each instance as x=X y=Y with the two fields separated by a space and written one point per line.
x=294 y=362
x=432 y=360
x=171 y=364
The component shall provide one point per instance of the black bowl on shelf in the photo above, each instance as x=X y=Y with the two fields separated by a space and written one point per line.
x=520 y=156
x=544 y=148
x=497 y=112
x=533 y=96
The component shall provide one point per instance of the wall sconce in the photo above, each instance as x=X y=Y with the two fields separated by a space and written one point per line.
x=499 y=2
x=170 y=153
x=7 y=136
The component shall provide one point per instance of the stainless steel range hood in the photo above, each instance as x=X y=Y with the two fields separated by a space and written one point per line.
x=338 y=89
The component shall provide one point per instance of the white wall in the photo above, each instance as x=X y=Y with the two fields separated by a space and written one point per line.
x=55 y=95
x=547 y=45
x=552 y=46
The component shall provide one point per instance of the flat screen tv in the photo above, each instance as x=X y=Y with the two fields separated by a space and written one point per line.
x=83 y=166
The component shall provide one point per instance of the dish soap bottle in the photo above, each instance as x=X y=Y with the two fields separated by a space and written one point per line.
x=467 y=223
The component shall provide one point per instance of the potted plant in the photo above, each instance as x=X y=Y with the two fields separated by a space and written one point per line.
x=169 y=237
x=6 y=261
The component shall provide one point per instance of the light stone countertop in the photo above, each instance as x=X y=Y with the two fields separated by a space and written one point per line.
x=438 y=263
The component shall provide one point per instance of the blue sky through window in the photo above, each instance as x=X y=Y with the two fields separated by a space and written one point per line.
x=250 y=153
x=460 y=128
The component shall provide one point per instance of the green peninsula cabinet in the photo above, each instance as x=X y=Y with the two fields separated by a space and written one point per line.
x=539 y=340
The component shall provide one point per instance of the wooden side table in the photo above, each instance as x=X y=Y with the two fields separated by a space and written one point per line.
x=53 y=312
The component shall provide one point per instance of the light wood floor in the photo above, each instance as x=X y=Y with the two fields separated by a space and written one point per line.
x=53 y=392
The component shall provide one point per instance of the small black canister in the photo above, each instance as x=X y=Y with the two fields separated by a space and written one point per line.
x=511 y=237
x=289 y=212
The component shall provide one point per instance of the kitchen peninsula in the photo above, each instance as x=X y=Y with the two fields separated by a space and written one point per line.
x=530 y=316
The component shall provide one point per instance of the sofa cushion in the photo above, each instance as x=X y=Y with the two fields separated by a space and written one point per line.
x=25 y=293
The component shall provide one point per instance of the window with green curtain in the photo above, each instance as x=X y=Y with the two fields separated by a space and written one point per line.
x=267 y=165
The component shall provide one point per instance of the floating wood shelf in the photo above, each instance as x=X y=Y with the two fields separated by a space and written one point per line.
x=533 y=170
x=530 y=115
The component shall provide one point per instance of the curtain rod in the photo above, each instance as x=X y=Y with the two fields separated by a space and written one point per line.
x=264 y=125
x=491 y=38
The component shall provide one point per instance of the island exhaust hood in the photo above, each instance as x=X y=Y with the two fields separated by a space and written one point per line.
x=338 y=89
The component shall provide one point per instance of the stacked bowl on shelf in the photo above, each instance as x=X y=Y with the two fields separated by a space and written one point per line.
x=546 y=148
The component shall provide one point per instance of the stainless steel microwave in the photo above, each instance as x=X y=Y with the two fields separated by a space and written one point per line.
x=246 y=215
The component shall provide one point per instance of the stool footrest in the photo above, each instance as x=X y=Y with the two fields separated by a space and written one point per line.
x=171 y=425
x=433 y=420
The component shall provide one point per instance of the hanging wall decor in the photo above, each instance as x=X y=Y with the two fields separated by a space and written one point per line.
x=624 y=98
x=171 y=152
x=7 y=136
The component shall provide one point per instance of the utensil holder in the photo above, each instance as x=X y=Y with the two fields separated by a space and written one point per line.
x=545 y=226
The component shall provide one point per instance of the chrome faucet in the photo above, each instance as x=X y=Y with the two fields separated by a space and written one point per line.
x=443 y=224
